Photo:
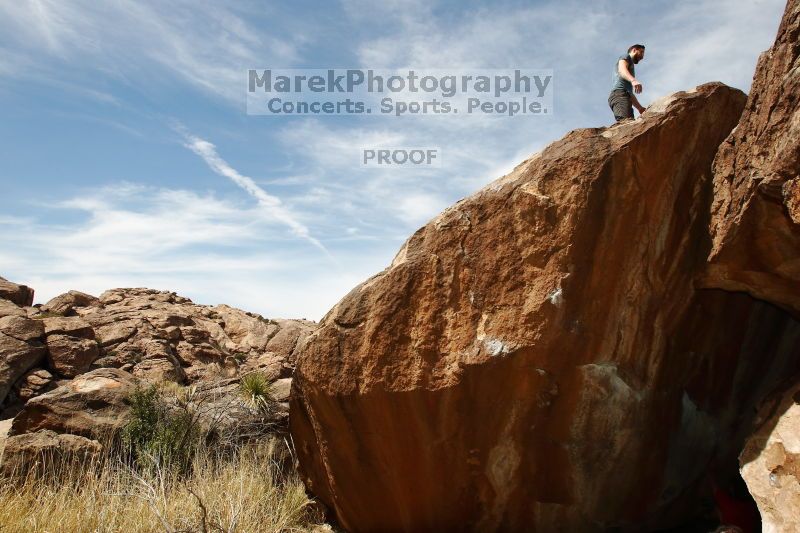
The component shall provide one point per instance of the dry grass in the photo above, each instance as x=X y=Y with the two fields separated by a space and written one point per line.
x=243 y=493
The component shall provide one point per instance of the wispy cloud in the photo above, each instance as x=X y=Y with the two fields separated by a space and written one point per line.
x=272 y=204
x=212 y=249
x=205 y=43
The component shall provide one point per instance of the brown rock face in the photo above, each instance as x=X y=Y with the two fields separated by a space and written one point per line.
x=536 y=357
x=8 y=308
x=22 y=328
x=755 y=222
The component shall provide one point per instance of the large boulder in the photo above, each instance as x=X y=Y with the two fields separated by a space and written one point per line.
x=71 y=326
x=70 y=356
x=93 y=405
x=755 y=223
x=537 y=357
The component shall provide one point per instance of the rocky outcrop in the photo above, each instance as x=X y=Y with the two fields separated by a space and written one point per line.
x=755 y=223
x=68 y=368
x=34 y=383
x=154 y=335
x=161 y=335
x=537 y=357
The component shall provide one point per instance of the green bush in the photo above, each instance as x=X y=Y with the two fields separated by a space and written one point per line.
x=161 y=433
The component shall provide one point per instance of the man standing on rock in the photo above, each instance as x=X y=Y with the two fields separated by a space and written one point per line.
x=622 y=99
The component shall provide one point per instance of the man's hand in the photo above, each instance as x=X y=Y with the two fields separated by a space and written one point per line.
x=637 y=86
x=635 y=102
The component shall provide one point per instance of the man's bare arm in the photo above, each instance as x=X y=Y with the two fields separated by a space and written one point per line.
x=622 y=67
x=636 y=104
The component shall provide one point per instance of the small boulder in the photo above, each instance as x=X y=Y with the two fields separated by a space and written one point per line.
x=5 y=427
x=280 y=389
x=290 y=335
x=114 y=332
x=194 y=354
x=43 y=451
x=64 y=304
x=160 y=369
x=71 y=345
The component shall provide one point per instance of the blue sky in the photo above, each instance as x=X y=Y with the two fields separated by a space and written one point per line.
x=128 y=158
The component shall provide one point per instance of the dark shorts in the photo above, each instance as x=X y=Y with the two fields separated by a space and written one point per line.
x=620 y=103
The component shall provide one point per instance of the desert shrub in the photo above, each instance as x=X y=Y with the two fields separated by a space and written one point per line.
x=163 y=429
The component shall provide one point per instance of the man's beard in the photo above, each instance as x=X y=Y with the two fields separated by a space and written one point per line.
x=635 y=60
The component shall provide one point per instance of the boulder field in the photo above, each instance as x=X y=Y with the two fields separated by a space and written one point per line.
x=69 y=367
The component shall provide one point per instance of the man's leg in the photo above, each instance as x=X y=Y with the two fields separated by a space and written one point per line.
x=621 y=106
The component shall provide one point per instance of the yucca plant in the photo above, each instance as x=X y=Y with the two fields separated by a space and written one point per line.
x=257 y=391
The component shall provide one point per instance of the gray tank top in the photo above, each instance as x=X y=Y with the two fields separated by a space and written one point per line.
x=618 y=81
